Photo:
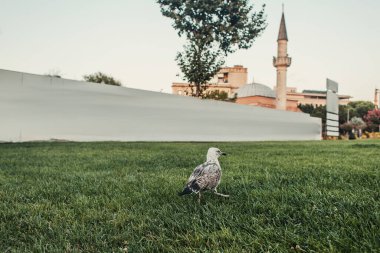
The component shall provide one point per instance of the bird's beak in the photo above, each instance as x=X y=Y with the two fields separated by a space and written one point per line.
x=223 y=154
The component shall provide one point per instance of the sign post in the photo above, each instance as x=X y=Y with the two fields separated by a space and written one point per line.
x=332 y=109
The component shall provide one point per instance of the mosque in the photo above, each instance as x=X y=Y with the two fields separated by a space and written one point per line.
x=233 y=81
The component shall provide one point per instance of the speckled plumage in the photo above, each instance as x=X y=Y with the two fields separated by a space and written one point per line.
x=205 y=176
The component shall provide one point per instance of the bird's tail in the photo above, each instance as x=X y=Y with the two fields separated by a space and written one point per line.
x=185 y=191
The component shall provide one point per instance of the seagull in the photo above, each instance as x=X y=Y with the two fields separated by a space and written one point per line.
x=205 y=176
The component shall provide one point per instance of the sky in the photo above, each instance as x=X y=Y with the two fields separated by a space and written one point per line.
x=133 y=42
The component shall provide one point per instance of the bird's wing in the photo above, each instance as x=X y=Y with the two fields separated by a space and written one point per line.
x=199 y=170
x=205 y=176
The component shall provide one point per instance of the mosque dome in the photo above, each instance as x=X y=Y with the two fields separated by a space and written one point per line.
x=255 y=89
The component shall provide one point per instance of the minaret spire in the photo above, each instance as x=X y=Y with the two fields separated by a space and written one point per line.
x=281 y=63
x=282 y=34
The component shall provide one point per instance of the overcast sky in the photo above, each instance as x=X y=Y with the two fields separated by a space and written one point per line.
x=132 y=41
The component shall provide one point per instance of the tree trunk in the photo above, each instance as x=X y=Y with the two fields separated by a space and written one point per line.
x=197 y=90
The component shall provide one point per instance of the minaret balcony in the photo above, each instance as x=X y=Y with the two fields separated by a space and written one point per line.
x=282 y=61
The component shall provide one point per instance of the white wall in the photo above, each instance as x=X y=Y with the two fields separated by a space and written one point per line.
x=34 y=107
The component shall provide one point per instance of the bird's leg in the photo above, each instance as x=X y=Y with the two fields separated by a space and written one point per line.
x=219 y=194
x=199 y=197
x=223 y=195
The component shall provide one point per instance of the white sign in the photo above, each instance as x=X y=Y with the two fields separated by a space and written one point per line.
x=332 y=108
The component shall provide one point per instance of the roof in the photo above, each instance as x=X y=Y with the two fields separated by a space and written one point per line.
x=314 y=91
x=282 y=34
x=255 y=89
x=320 y=94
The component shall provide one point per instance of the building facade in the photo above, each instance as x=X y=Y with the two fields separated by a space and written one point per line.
x=313 y=97
x=261 y=95
x=228 y=79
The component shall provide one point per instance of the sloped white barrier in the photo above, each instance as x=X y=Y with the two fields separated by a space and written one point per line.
x=35 y=107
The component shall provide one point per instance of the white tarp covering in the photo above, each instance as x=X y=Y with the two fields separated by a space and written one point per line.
x=34 y=107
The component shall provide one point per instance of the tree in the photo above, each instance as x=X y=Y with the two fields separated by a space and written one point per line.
x=358 y=123
x=99 y=77
x=314 y=111
x=213 y=29
x=306 y=108
x=347 y=127
x=373 y=119
x=356 y=109
x=360 y=108
x=343 y=113
x=199 y=66
x=355 y=125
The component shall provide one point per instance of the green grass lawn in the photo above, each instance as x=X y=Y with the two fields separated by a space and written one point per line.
x=122 y=197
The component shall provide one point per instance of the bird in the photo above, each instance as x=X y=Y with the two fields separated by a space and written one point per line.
x=206 y=176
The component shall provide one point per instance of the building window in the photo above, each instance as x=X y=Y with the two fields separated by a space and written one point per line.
x=220 y=77
x=225 y=78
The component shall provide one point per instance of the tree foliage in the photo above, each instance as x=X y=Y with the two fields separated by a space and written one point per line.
x=373 y=119
x=213 y=29
x=199 y=66
x=347 y=126
x=358 y=123
x=356 y=119
x=216 y=95
x=360 y=108
x=314 y=111
x=355 y=109
x=100 y=77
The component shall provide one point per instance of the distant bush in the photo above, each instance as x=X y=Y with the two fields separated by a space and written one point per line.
x=358 y=123
x=100 y=77
x=216 y=94
x=373 y=119
x=54 y=73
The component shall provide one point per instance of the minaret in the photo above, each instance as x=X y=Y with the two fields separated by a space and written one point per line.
x=376 y=102
x=282 y=62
